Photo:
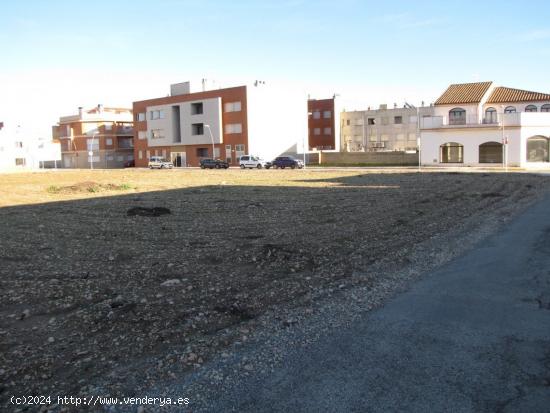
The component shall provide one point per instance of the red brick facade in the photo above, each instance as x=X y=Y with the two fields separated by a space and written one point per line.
x=321 y=124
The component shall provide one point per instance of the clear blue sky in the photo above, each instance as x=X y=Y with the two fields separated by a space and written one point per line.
x=369 y=52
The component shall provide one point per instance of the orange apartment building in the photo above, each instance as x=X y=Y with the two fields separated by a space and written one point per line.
x=101 y=137
x=322 y=125
x=265 y=120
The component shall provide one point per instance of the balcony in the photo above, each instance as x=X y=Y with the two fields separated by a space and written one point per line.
x=125 y=130
x=125 y=143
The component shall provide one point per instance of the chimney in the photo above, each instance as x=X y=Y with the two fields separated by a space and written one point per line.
x=100 y=108
x=80 y=112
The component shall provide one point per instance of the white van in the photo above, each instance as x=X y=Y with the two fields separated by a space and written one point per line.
x=249 y=161
x=159 y=162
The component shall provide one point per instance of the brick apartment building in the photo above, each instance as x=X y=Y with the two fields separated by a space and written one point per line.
x=322 y=124
x=107 y=133
x=226 y=123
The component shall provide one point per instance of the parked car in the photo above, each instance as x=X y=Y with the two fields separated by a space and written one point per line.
x=249 y=161
x=213 y=163
x=159 y=162
x=129 y=164
x=287 y=161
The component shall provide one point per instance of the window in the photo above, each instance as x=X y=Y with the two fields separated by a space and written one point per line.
x=120 y=158
x=156 y=114
x=196 y=108
x=490 y=116
x=239 y=148
x=18 y=144
x=510 y=109
x=110 y=158
x=197 y=129
x=398 y=120
x=202 y=152
x=327 y=114
x=108 y=141
x=538 y=148
x=457 y=116
x=233 y=107
x=316 y=115
x=347 y=122
x=531 y=108
x=142 y=134
x=233 y=128
x=140 y=154
x=157 y=133
x=93 y=159
x=545 y=108
x=327 y=131
x=92 y=144
x=217 y=153
x=141 y=117
x=451 y=152
x=317 y=131
x=370 y=121
x=19 y=161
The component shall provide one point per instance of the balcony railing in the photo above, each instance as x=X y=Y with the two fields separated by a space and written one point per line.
x=125 y=130
x=507 y=119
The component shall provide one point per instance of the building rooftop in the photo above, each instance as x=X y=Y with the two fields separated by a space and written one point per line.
x=506 y=94
x=464 y=93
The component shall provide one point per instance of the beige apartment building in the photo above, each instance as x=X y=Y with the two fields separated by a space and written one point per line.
x=383 y=129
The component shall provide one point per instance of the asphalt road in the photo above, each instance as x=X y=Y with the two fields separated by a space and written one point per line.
x=473 y=336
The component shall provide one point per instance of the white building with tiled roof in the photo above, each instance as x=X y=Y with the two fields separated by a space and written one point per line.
x=476 y=124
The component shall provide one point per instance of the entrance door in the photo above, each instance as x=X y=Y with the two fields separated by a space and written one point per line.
x=490 y=152
x=179 y=159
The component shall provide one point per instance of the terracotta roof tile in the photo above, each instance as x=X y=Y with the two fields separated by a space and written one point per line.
x=507 y=95
x=464 y=93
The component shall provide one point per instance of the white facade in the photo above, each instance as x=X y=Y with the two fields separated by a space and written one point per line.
x=485 y=133
x=277 y=120
x=18 y=151
x=175 y=123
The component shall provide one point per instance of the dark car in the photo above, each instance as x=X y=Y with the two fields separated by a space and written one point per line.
x=287 y=161
x=213 y=163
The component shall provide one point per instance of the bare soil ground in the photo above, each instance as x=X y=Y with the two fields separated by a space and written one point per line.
x=124 y=278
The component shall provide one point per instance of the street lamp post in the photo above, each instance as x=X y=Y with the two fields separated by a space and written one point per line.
x=306 y=138
x=211 y=138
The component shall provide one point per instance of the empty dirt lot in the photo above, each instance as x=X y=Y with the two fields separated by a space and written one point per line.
x=99 y=290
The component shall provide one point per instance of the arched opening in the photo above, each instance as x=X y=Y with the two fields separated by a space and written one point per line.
x=451 y=152
x=490 y=116
x=510 y=109
x=538 y=149
x=545 y=108
x=457 y=116
x=531 y=108
x=490 y=152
